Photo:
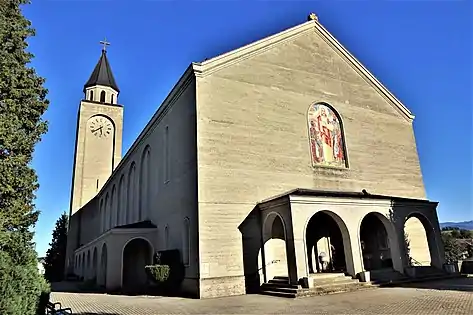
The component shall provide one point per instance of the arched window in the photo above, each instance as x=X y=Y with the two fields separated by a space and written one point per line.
x=144 y=183
x=122 y=201
x=102 y=217
x=111 y=99
x=102 y=97
x=113 y=207
x=186 y=243
x=327 y=143
x=107 y=212
x=91 y=96
x=131 y=195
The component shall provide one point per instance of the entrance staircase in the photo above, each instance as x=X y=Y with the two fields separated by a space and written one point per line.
x=322 y=284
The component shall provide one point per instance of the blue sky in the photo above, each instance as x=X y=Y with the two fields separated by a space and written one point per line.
x=421 y=50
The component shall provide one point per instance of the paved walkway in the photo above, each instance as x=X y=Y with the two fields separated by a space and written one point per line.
x=454 y=296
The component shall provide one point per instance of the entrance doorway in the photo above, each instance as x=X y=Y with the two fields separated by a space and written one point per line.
x=325 y=244
x=375 y=244
x=136 y=255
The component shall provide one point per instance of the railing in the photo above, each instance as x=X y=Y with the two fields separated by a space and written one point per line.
x=415 y=262
x=270 y=263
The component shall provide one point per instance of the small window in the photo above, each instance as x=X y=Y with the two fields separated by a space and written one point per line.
x=111 y=99
x=91 y=95
x=102 y=97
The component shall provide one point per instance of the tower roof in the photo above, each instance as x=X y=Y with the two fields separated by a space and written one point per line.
x=102 y=74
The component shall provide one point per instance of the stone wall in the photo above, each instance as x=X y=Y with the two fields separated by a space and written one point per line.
x=253 y=144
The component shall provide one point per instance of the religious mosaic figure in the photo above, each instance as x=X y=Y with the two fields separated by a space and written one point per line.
x=326 y=138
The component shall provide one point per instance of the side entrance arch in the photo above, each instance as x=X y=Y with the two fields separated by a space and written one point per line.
x=275 y=247
x=137 y=253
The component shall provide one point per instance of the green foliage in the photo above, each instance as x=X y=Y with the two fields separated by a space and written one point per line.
x=44 y=298
x=407 y=248
x=56 y=255
x=458 y=233
x=158 y=273
x=453 y=250
x=22 y=103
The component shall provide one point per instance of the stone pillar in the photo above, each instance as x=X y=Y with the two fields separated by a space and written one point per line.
x=354 y=256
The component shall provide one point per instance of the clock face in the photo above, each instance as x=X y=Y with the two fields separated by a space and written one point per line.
x=101 y=127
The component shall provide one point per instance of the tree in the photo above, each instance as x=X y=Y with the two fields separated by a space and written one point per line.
x=56 y=255
x=22 y=103
x=453 y=250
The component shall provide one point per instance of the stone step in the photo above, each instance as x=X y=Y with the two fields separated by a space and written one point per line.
x=325 y=281
x=279 y=281
x=327 y=275
x=280 y=287
x=281 y=278
x=279 y=294
x=271 y=285
x=345 y=282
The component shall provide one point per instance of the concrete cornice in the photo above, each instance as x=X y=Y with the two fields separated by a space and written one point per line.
x=274 y=203
x=339 y=201
x=115 y=231
x=202 y=69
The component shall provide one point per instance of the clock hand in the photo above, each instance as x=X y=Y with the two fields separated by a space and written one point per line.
x=97 y=129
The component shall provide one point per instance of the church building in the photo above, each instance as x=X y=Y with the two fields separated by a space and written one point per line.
x=283 y=159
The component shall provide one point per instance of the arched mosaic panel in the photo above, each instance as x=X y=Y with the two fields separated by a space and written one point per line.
x=326 y=137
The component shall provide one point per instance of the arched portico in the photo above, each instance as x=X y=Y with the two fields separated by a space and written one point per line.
x=136 y=254
x=328 y=243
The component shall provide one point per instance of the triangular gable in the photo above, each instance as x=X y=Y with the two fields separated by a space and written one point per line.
x=202 y=69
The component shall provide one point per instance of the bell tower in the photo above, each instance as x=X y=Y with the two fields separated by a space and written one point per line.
x=99 y=134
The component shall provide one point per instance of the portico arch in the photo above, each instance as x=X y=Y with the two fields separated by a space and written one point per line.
x=82 y=274
x=87 y=268
x=327 y=236
x=103 y=266
x=136 y=254
x=94 y=265
x=422 y=240
x=275 y=246
x=378 y=241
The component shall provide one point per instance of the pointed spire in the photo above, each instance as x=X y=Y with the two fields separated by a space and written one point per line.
x=102 y=74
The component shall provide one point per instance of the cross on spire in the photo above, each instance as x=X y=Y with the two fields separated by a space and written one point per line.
x=105 y=44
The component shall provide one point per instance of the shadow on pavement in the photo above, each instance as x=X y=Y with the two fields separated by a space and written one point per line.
x=454 y=284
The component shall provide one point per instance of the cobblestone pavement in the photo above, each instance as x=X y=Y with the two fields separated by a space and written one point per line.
x=454 y=296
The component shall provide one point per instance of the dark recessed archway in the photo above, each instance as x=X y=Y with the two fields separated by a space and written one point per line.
x=137 y=253
x=375 y=245
x=325 y=241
